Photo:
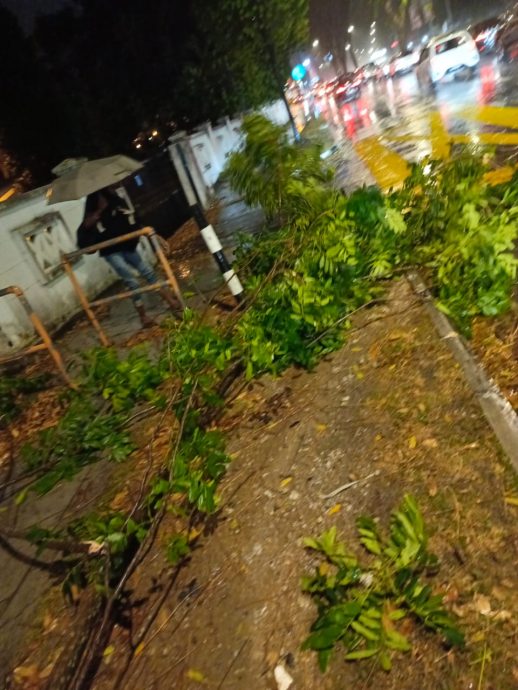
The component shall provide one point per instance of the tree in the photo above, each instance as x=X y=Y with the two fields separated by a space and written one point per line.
x=251 y=46
x=96 y=72
x=33 y=129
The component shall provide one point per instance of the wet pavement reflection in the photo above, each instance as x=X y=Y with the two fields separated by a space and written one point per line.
x=396 y=121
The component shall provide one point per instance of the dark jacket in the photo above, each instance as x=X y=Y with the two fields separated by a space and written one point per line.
x=116 y=220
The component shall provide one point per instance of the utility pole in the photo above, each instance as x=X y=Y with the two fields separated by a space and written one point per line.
x=206 y=230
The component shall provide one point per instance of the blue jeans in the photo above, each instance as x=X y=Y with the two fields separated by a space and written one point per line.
x=123 y=262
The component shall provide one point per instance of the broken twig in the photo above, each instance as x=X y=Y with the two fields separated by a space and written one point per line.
x=350 y=485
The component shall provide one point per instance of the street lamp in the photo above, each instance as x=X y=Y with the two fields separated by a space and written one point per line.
x=348 y=46
x=316 y=43
x=350 y=29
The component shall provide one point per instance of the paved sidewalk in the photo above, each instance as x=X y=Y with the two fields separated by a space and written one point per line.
x=393 y=407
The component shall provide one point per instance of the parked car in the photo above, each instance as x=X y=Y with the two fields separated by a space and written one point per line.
x=485 y=33
x=348 y=88
x=382 y=71
x=446 y=56
x=403 y=63
x=369 y=71
x=507 y=41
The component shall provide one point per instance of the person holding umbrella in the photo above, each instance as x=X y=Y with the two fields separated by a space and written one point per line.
x=106 y=217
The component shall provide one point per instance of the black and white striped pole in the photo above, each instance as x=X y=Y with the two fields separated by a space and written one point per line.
x=206 y=229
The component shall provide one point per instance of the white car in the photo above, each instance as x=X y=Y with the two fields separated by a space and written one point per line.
x=445 y=56
x=403 y=63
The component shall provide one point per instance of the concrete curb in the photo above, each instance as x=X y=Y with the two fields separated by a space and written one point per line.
x=497 y=409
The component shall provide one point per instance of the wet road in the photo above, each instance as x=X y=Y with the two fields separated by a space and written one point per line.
x=395 y=122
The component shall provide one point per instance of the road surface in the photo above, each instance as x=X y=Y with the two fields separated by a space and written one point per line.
x=395 y=122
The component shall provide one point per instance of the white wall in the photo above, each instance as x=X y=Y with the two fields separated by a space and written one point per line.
x=208 y=147
x=276 y=112
x=32 y=237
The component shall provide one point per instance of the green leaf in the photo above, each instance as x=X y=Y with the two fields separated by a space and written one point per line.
x=362 y=654
x=385 y=660
x=365 y=632
x=325 y=638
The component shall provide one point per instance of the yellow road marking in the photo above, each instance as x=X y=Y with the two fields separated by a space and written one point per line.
x=439 y=137
x=7 y=195
x=491 y=115
x=500 y=175
x=389 y=168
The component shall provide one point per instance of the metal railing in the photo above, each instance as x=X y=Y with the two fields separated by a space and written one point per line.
x=46 y=341
x=88 y=306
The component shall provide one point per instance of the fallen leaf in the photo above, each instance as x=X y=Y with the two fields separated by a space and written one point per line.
x=197 y=676
x=479 y=636
x=430 y=443
x=503 y=615
x=194 y=533
x=432 y=489
x=378 y=437
x=412 y=442
x=421 y=407
x=139 y=649
x=48 y=622
x=511 y=500
x=482 y=604
x=15 y=433
x=335 y=509
x=321 y=427
x=323 y=568
x=22 y=673
x=108 y=651
x=46 y=671
x=451 y=595
x=285 y=482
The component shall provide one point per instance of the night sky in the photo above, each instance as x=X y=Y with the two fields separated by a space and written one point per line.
x=26 y=10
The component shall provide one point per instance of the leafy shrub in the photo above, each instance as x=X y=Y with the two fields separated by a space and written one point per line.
x=359 y=606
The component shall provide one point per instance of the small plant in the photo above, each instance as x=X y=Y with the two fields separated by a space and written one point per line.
x=177 y=549
x=124 y=381
x=360 y=607
x=80 y=438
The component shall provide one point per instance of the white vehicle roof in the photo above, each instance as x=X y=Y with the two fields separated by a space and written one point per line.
x=446 y=37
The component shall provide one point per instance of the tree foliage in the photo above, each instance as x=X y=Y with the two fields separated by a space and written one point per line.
x=33 y=130
x=95 y=73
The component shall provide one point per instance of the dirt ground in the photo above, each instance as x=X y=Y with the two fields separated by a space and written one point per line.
x=391 y=407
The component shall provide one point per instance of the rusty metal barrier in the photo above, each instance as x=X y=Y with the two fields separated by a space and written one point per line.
x=46 y=340
x=90 y=306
